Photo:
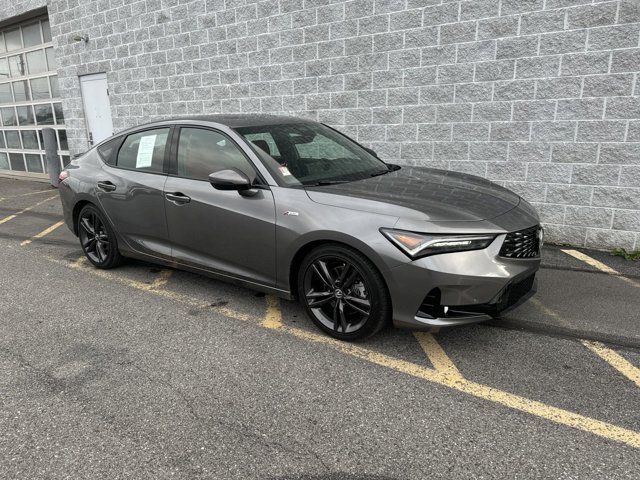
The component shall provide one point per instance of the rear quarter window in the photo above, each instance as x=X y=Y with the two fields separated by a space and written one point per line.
x=107 y=150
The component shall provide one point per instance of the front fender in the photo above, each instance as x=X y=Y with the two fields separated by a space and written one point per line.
x=302 y=223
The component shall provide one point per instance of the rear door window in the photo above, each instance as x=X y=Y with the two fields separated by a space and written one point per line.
x=144 y=151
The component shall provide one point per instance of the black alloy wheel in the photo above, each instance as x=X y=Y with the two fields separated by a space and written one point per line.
x=343 y=293
x=97 y=239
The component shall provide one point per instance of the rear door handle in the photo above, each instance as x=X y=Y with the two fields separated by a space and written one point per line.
x=177 y=198
x=107 y=186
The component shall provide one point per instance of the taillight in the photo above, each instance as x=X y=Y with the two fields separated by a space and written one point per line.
x=63 y=175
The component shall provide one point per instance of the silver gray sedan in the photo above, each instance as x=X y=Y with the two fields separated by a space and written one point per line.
x=297 y=209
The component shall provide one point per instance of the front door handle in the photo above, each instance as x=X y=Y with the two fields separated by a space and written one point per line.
x=177 y=198
x=107 y=186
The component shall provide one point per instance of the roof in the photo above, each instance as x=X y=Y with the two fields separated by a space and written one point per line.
x=246 y=120
x=231 y=120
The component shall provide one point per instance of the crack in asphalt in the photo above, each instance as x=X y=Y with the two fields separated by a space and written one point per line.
x=238 y=428
x=59 y=386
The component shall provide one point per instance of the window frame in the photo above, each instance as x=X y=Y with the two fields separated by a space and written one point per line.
x=123 y=137
x=259 y=181
x=110 y=161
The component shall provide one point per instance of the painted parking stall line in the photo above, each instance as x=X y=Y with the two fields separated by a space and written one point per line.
x=515 y=402
x=24 y=210
x=83 y=264
x=43 y=233
x=272 y=320
x=2 y=199
x=436 y=354
x=613 y=358
x=273 y=316
x=599 y=265
x=162 y=279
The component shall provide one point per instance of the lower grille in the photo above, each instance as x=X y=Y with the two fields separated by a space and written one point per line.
x=522 y=244
x=515 y=292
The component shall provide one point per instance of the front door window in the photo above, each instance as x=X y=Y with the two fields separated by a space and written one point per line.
x=202 y=152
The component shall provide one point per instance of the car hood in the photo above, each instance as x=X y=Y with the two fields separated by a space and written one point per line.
x=420 y=193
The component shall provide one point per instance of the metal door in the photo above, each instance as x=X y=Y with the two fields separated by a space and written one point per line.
x=222 y=230
x=97 y=109
x=132 y=194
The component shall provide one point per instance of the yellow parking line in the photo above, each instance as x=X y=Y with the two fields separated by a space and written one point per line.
x=436 y=354
x=599 y=265
x=82 y=264
x=614 y=359
x=77 y=263
x=547 y=311
x=554 y=414
x=24 y=194
x=162 y=279
x=273 y=321
x=43 y=233
x=516 y=402
x=457 y=382
x=273 y=317
x=11 y=217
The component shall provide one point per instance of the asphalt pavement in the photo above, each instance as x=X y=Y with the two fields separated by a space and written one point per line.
x=146 y=372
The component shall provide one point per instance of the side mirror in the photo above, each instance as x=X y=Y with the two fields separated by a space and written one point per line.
x=230 y=179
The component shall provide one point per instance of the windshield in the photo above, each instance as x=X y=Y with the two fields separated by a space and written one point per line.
x=311 y=154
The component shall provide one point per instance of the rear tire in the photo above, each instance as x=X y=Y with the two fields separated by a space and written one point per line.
x=343 y=293
x=98 y=239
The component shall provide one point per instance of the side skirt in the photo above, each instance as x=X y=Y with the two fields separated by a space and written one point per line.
x=285 y=294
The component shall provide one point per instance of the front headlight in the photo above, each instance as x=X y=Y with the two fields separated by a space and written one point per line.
x=417 y=245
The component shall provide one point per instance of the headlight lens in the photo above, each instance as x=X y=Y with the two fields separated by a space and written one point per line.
x=416 y=245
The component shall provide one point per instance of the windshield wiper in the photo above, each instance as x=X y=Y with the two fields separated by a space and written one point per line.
x=321 y=183
x=381 y=172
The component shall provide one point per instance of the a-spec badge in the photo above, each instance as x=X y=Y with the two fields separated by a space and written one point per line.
x=291 y=213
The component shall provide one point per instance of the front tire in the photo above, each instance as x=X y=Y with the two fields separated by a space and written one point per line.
x=97 y=238
x=343 y=293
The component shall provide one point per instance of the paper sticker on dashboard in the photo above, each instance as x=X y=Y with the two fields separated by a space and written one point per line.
x=145 y=151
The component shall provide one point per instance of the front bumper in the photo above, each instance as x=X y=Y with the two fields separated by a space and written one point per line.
x=460 y=288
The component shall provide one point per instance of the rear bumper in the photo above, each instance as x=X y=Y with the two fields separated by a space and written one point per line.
x=460 y=288
x=66 y=197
